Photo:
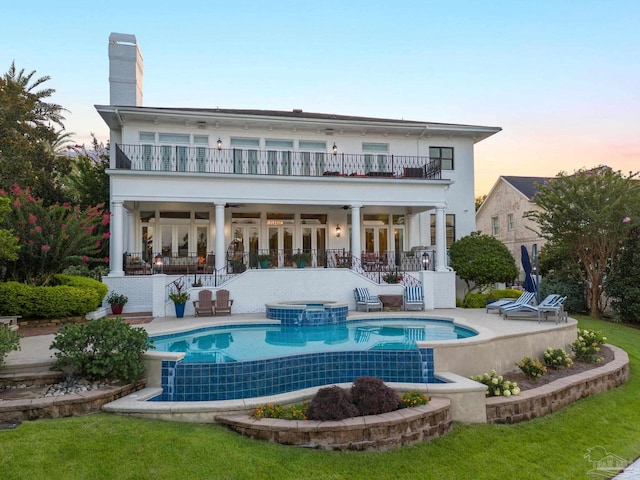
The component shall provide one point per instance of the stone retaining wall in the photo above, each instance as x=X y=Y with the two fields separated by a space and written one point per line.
x=372 y=432
x=549 y=398
x=62 y=406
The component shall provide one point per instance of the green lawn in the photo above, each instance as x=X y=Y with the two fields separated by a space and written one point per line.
x=110 y=447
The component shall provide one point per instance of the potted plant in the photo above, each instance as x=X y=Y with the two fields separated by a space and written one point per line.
x=117 y=302
x=392 y=277
x=179 y=298
x=237 y=265
x=265 y=260
x=301 y=259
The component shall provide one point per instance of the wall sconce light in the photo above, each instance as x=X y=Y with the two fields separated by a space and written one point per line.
x=338 y=231
x=334 y=149
x=219 y=143
x=426 y=261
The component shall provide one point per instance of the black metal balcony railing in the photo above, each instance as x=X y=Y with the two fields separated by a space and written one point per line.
x=273 y=162
x=380 y=267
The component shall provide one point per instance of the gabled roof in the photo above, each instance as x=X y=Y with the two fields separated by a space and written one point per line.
x=526 y=185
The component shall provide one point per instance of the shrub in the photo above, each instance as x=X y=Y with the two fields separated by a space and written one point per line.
x=372 y=396
x=556 y=358
x=498 y=386
x=272 y=410
x=475 y=300
x=104 y=349
x=587 y=345
x=9 y=341
x=331 y=403
x=505 y=293
x=532 y=368
x=413 y=399
x=82 y=282
x=77 y=296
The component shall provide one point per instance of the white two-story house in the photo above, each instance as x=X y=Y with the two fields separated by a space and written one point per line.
x=217 y=193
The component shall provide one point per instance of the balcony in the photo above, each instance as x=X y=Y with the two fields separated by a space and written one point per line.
x=165 y=158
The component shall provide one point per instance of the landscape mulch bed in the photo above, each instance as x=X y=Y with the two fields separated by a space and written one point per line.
x=554 y=374
x=29 y=331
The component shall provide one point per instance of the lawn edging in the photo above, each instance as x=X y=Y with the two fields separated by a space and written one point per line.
x=546 y=399
x=372 y=432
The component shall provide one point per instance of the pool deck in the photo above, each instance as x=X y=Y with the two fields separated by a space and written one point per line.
x=34 y=351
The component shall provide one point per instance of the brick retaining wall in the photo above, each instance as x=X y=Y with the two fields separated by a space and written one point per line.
x=372 y=432
x=549 y=398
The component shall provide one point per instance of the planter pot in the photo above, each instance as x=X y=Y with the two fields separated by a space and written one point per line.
x=179 y=309
x=116 y=309
x=300 y=264
x=264 y=264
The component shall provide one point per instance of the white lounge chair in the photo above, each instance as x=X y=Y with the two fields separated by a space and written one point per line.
x=413 y=298
x=366 y=301
x=499 y=305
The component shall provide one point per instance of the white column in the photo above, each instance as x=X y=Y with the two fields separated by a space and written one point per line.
x=355 y=231
x=220 y=250
x=117 y=239
x=441 y=241
x=133 y=245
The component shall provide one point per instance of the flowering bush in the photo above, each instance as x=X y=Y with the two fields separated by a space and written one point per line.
x=556 y=358
x=587 y=345
x=498 y=386
x=52 y=238
x=271 y=410
x=532 y=368
x=117 y=299
x=413 y=399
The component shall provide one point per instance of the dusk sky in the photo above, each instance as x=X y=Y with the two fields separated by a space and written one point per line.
x=560 y=77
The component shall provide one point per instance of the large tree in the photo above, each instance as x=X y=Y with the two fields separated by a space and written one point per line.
x=482 y=260
x=589 y=214
x=88 y=183
x=31 y=129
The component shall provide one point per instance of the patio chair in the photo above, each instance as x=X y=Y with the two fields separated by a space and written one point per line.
x=366 y=301
x=551 y=304
x=204 y=304
x=413 y=298
x=222 y=304
x=499 y=305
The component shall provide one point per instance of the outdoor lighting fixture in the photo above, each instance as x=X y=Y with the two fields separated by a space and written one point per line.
x=219 y=143
x=334 y=149
x=338 y=231
x=425 y=261
x=158 y=260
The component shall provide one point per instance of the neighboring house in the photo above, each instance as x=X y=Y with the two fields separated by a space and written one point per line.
x=207 y=192
x=502 y=214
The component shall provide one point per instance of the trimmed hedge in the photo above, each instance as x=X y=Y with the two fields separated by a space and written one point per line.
x=75 y=296
x=479 y=300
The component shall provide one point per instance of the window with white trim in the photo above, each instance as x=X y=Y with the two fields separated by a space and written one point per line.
x=495 y=228
x=510 y=223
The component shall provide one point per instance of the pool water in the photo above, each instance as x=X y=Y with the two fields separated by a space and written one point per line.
x=251 y=342
x=248 y=361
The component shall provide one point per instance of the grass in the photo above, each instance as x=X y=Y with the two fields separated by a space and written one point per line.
x=112 y=447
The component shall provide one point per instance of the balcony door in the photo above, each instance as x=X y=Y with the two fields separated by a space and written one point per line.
x=281 y=244
x=314 y=241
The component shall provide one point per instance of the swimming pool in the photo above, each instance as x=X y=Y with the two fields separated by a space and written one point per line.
x=245 y=361
x=252 y=342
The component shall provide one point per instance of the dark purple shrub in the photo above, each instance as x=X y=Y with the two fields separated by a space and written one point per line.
x=372 y=396
x=331 y=403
